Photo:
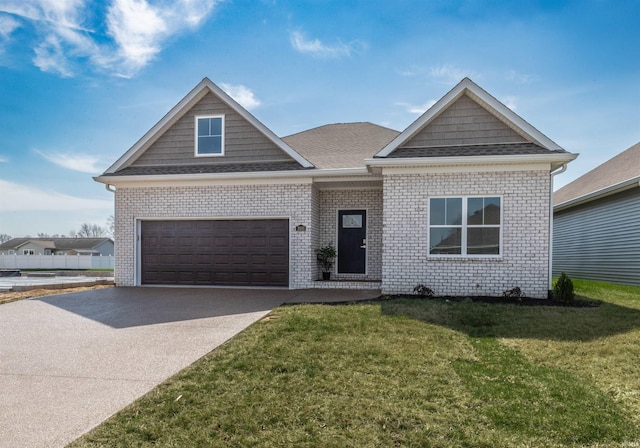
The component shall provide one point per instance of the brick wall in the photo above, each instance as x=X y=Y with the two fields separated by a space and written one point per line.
x=525 y=237
x=333 y=200
x=286 y=201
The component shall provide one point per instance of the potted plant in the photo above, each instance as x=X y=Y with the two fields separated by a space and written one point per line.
x=325 y=257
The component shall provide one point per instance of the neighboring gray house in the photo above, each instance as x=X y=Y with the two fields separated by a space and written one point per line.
x=597 y=222
x=58 y=246
x=458 y=201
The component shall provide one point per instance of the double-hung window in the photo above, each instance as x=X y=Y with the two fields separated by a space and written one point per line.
x=465 y=226
x=210 y=135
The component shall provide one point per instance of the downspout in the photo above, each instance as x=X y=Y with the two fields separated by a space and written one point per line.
x=110 y=188
x=563 y=168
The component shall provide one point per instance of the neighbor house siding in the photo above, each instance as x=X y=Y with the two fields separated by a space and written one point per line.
x=371 y=200
x=525 y=234
x=600 y=240
x=242 y=141
x=465 y=122
x=292 y=201
x=105 y=248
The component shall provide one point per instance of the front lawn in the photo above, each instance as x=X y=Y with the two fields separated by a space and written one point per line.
x=410 y=373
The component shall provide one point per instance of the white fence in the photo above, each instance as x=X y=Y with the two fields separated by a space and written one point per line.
x=56 y=262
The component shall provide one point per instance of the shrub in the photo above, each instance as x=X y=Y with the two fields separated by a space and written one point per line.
x=423 y=291
x=514 y=293
x=563 y=289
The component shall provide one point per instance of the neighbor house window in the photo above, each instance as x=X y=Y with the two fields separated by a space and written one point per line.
x=465 y=226
x=28 y=252
x=210 y=135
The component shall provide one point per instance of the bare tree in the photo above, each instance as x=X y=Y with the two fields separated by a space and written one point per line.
x=4 y=237
x=111 y=226
x=47 y=235
x=90 y=231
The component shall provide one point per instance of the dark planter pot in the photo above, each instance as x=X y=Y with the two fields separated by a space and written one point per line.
x=326 y=276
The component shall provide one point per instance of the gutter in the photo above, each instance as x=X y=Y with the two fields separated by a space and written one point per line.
x=294 y=174
x=562 y=169
x=559 y=158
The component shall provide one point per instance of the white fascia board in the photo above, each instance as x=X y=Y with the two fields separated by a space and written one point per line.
x=467 y=85
x=554 y=158
x=256 y=123
x=196 y=93
x=267 y=177
x=177 y=111
x=425 y=118
x=514 y=118
x=603 y=192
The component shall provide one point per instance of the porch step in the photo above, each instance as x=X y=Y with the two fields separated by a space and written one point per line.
x=347 y=284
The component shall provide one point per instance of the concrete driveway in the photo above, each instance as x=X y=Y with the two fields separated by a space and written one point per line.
x=69 y=361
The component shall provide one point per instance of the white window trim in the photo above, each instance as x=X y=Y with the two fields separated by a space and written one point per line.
x=195 y=133
x=465 y=226
x=28 y=252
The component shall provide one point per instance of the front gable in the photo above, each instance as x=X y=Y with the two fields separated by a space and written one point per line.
x=242 y=141
x=468 y=121
x=464 y=122
x=170 y=146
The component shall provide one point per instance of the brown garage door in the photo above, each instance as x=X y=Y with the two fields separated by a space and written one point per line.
x=229 y=253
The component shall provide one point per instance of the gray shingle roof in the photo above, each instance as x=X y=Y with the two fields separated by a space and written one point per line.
x=55 y=243
x=209 y=169
x=496 y=149
x=624 y=166
x=341 y=145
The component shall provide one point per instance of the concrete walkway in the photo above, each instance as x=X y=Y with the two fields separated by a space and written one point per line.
x=69 y=361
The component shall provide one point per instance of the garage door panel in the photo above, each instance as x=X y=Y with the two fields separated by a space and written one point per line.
x=225 y=252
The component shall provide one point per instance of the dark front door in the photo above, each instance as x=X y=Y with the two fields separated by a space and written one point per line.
x=352 y=241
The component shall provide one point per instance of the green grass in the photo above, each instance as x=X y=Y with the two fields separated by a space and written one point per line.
x=410 y=373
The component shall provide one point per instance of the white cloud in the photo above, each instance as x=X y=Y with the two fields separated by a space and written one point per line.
x=511 y=102
x=520 y=78
x=50 y=57
x=18 y=197
x=417 y=109
x=7 y=26
x=3 y=159
x=140 y=28
x=452 y=74
x=242 y=95
x=316 y=48
x=76 y=162
x=136 y=30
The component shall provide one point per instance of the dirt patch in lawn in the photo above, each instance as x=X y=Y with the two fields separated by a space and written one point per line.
x=12 y=296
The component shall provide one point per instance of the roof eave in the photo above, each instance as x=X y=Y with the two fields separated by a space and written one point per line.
x=555 y=159
x=298 y=174
x=598 y=194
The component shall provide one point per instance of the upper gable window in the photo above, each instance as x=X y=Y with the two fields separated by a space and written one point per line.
x=210 y=135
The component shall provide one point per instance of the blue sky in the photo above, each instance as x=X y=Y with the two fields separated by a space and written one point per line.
x=81 y=81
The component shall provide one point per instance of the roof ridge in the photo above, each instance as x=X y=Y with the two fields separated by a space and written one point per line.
x=338 y=124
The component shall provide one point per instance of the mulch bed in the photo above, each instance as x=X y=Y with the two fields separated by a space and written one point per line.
x=523 y=301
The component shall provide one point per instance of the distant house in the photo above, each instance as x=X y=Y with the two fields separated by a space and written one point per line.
x=597 y=222
x=58 y=246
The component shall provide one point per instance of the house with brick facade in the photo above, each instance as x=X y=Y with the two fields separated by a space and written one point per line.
x=459 y=201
